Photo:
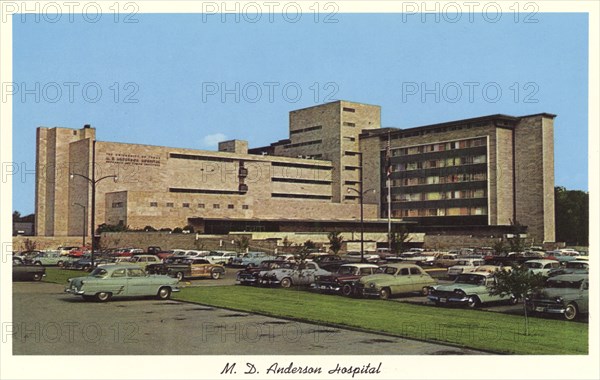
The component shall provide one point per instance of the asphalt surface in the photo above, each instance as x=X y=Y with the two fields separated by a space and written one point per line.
x=47 y=321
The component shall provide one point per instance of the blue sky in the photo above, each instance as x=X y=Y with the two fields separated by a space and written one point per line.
x=172 y=70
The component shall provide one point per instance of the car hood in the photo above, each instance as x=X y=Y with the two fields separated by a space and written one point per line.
x=376 y=278
x=557 y=292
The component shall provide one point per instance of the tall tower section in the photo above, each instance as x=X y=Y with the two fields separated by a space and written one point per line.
x=330 y=132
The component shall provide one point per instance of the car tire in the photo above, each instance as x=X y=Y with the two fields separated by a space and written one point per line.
x=60 y=263
x=215 y=275
x=179 y=276
x=86 y=268
x=425 y=291
x=38 y=263
x=286 y=282
x=513 y=300
x=384 y=293
x=571 y=312
x=103 y=296
x=164 y=293
x=37 y=277
x=347 y=290
x=473 y=302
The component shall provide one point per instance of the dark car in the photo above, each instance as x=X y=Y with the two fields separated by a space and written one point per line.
x=26 y=272
x=567 y=295
x=250 y=275
x=182 y=268
x=344 y=279
x=330 y=262
x=85 y=263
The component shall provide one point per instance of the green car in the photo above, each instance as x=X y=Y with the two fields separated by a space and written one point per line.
x=395 y=279
x=567 y=294
x=107 y=281
x=471 y=289
x=49 y=258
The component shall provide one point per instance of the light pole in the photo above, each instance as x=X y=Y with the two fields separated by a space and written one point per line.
x=93 y=181
x=362 y=220
x=84 y=222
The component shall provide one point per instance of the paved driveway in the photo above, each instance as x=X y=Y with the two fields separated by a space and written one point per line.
x=47 y=321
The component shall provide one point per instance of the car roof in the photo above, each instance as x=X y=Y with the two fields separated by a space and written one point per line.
x=401 y=265
x=543 y=261
x=485 y=274
x=360 y=265
x=118 y=266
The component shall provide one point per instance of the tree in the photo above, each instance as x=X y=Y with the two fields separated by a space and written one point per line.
x=149 y=229
x=335 y=242
x=177 y=230
x=518 y=282
x=16 y=216
x=309 y=244
x=189 y=228
x=500 y=248
x=286 y=242
x=516 y=243
x=242 y=243
x=399 y=238
x=112 y=228
x=571 y=208
x=30 y=245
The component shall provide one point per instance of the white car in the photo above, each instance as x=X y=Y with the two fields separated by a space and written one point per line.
x=354 y=256
x=542 y=266
x=299 y=274
x=464 y=266
x=220 y=257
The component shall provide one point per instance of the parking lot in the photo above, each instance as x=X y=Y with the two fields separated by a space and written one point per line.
x=47 y=321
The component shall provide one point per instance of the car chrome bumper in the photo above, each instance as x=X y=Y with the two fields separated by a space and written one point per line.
x=550 y=309
x=74 y=291
x=454 y=300
x=326 y=287
x=369 y=292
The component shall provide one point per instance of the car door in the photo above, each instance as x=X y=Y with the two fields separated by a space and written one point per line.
x=137 y=283
x=583 y=302
x=419 y=279
x=305 y=275
x=402 y=282
x=116 y=283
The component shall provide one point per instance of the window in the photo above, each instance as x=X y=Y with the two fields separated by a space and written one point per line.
x=230 y=206
x=169 y=204
x=415 y=271
x=117 y=204
x=348 y=124
x=186 y=205
x=153 y=204
x=201 y=205
x=348 y=109
x=119 y=273
x=216 y=205
x=136 y=272
x=245 y=207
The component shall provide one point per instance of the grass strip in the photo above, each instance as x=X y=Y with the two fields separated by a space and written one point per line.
x=495 y=332
x=60 y=276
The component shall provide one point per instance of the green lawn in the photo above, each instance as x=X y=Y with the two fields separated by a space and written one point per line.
x=494 y=332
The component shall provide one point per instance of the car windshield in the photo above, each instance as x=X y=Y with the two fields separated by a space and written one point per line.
x=533 y=265
x=99 y=272
x=553 y=283
x=346 y=270
x=463 y=262
x=470 y=279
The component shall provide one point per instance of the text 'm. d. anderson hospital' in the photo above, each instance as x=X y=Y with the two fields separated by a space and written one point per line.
x=474 y=175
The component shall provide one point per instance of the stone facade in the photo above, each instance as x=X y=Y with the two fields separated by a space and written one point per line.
x=313 y=175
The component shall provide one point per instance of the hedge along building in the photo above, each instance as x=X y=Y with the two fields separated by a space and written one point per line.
x=302 y=183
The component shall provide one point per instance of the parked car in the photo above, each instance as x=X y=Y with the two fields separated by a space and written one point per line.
x=298 y=274
x=471 y=289
x=541 y=266
x=343 y=280
x=355 y=257
x=27 y=272
x=48 y=258
x=109 y=281
x=187 y=268
x=66 y=250
x=446 y=260
x=251 y=275
x=145 y=260
x=571 y=267
x=85 y=263
x=393 y=279
x=566 y=294
x=252 y=259
x=414 y=257
x=330 y=263
x=464 y=266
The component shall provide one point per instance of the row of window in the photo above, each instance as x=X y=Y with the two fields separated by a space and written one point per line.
x=315 y=128
x=434 y=180
x=439 y=195
x=307 y=143
x=451 y=211
x=200 y=205
x=440 y=163
x=440 y=147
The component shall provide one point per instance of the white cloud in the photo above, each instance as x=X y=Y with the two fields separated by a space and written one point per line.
x=212 y=141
